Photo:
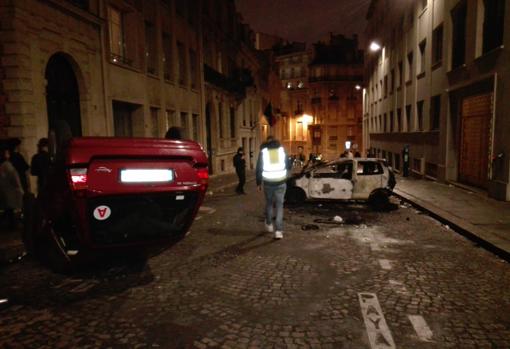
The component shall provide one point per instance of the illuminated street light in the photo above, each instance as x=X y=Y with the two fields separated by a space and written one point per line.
x=307 y=119
x=374 y=46
x=357 y=87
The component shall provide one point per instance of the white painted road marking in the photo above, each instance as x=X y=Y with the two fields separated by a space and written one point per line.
x=385 y=264
x=206 y=210
x=378 y=332
x=398 y=286
x=422 y=329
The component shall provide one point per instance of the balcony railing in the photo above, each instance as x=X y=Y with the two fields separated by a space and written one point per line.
x=336 y=78
x=234 y=85
x=120 y=59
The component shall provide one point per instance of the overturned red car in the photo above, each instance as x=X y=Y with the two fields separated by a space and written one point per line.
x=103 y=195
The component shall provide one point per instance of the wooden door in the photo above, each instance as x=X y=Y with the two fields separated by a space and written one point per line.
x=474 y=142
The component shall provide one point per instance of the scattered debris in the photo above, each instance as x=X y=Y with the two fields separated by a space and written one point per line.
x=338 y=219
x=309 y=227
x=447 y=227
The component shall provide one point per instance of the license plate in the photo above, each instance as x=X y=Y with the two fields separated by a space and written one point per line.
x=146 y=175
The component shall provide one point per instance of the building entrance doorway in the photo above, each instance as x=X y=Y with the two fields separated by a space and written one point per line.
x=62 y=94
x=476 y=114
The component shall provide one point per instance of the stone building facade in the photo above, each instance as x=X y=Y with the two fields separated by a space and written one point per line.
x=437 y=86
x=130 y=68
x=321 y=106
x=233 y=102
x=336 y=77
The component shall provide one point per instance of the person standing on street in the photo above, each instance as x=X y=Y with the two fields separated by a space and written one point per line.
x=40 y=164
x=240 y=166
x=11 y=190
x=19 y=162
x=271 y=173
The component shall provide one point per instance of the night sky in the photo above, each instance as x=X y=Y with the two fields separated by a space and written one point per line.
x=305 y=20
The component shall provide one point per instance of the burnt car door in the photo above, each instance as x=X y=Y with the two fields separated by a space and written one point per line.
x=332 y=181
x=368 y=177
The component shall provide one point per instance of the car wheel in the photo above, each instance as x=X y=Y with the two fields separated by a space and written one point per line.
x=295 y=196
x=379 y=200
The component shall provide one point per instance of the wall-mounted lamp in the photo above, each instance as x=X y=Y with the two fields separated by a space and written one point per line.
x=374 y=46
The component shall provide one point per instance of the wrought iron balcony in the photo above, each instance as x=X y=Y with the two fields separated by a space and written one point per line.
x=236 y=84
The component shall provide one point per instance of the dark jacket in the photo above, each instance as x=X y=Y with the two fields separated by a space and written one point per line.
x=239 y=162
x=40 y=166
x=21 y=166
x=274 y=144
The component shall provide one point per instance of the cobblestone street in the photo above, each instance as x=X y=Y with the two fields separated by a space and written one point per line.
x=396 y=279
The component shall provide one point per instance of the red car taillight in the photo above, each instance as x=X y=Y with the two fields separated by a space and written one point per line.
x=78 y=178
x=203 y=177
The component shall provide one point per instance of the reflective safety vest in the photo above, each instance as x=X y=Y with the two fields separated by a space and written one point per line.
x=274 y=165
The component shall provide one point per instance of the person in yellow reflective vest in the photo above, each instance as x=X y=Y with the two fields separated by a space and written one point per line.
x=271 y=174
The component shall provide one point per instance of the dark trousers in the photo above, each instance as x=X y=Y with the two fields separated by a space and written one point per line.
x=241 y=175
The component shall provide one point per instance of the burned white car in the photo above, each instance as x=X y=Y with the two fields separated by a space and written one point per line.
x=344 y=179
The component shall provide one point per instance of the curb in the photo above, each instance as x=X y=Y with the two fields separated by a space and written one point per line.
x=457 y=224
x=226 y=186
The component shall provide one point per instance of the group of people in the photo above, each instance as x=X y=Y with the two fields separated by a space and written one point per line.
x=14 y=182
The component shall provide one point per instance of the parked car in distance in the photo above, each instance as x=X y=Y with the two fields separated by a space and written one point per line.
x=108 y=195
x=365 y=179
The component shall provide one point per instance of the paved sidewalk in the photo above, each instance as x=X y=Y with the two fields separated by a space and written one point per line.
x=11 y=246
x=472 y=213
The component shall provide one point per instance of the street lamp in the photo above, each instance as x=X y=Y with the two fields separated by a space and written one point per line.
x=357 y=87
x=374 y=46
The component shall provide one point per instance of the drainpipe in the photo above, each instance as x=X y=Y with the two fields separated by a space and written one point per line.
x=104 y=61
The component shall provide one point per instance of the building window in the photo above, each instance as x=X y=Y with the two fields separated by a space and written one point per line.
x=423 y=46
x=392 y=122
x=154 y=122
x=83 y=4
x=221 y=120
x=400 y=73
x=182 y=63
x=409 y=110
x=419 y=114
x=123 y=118
x=410 y=72
x=170 y=119
x=435 y=112
x=194 y=119
x=184 y=125
x=385 y=120
x=399 y=120
x=458 y=15
x=167 y=58
x=150 y=48
x=299 y=131
x=385 y=86
x=493 y=24
x=437 y=45
x=193 y=68
x=116 y=27
x=232 y=122
x=180 y=7
x=392 y=82
x=193 y=9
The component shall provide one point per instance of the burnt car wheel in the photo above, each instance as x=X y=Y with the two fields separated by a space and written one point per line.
x=379 y=200
x=295 y=196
